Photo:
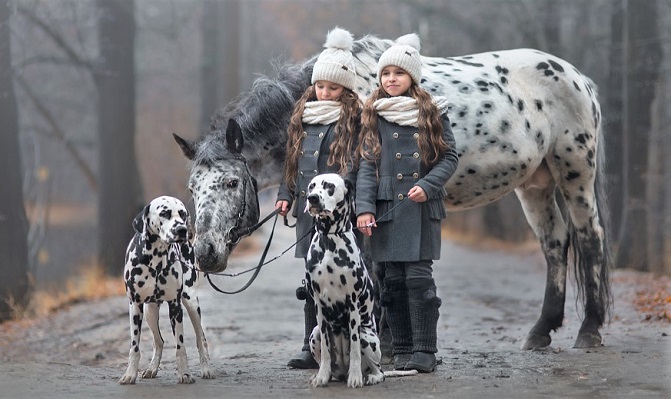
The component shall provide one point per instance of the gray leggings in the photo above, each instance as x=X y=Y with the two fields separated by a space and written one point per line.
x=408 y=270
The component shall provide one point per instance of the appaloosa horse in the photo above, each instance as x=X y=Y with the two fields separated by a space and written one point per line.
x=523 y=120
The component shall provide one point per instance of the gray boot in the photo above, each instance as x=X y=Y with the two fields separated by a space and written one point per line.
x=304 y=359
x=395 y=300
x=424 y=314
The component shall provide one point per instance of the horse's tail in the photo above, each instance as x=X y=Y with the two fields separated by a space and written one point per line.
x=605 y=296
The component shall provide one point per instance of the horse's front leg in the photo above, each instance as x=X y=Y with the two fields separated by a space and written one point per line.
x=545 y=219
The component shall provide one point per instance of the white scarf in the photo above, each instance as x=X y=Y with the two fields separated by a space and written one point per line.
x=404 y=110
x=321 y=112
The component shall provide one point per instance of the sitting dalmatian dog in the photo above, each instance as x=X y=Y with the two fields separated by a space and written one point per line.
x=345 y=341
x=159 y=267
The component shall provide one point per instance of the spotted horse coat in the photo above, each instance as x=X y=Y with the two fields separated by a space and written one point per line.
x=523 y=121
x=160 y=268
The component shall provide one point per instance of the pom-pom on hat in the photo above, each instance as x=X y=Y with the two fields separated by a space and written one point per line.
x=404 y=53
x=336 y=64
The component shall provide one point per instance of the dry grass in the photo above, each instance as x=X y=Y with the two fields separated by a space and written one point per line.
x=90 y=284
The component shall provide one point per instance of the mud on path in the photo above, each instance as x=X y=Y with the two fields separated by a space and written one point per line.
x=490 y=301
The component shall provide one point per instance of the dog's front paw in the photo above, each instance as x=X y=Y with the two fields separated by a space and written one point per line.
x=150 y=373
x=320 y=379
x=207 y=373
x=128 y=378
x=355 y=380
x=186 y=379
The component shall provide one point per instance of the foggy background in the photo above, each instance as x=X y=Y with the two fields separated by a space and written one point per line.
x=91 y=91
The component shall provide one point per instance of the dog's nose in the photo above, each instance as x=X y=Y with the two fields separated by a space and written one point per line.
x=313 y=199
x=181 y=231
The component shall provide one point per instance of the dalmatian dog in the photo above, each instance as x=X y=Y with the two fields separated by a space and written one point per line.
x=160 y=268
x=345 y=341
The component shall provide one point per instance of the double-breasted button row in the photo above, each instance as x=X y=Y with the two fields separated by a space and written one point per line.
x=414 y=155
x=415 y=135
x=303 y=174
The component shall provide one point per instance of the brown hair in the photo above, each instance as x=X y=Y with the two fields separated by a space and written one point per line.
x=341 y=149
x=432 y=146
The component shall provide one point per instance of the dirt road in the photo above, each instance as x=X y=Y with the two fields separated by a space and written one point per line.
x=490 y=300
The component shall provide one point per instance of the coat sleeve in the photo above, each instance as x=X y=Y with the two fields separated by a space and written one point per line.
x=434 y=181
x=366 y=188
x=284 y=194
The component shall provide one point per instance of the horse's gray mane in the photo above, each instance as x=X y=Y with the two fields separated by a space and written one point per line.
x=266 y=107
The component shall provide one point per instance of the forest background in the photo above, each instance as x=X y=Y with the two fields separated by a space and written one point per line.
x=91 y=90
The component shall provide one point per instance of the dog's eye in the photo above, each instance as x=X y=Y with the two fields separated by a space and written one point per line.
x=165 y=214
x=233 y=183
x=330 y=186
x=182 y=214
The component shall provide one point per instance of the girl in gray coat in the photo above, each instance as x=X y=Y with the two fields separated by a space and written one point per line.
x=322 y=139
x=407 y=154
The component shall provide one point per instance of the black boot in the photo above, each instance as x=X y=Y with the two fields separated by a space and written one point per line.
x=424 y=314
x=395 y=300
x=304 y=359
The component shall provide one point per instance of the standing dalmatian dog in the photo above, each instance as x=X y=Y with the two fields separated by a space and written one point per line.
x=159 y=267
x=345 y=341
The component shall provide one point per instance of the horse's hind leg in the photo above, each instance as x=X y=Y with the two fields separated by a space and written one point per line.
x=544 y=217
x=587 y=239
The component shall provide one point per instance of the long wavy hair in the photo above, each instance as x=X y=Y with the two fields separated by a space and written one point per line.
x=432 y=146
x=341 y=150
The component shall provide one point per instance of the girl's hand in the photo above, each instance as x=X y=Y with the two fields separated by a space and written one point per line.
x=417 y=194
x=283 y=206
x=365 y=222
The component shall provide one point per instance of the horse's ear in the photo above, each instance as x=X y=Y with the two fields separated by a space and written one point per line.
x=234 y=136
x=188 y=147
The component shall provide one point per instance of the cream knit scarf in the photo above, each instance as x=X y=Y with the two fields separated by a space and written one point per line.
x=404 y=110
x=321 y=112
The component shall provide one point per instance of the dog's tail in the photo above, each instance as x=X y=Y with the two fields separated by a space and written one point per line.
x=400 y=373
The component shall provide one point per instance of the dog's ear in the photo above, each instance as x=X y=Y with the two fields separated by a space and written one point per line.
x=138 y=222
x=350 y=188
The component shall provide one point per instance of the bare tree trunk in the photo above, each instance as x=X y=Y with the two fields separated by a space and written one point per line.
x=644 y=54
x=120 y=187
x=221 y=56
x=613 y=118
x=14 y=284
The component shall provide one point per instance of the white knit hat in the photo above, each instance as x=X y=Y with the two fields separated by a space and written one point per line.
x=403 y=54
x=336 y=64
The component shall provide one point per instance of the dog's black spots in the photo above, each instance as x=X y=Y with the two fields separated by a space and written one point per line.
x=339 y=282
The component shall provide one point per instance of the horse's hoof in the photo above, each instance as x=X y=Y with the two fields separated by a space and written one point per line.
x=588 y=340
x=535 y=341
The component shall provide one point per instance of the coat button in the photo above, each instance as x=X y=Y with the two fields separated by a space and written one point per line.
x=415 y=175
x=394 y=135
x=316 y=153
x=398 y=155
x=321 y=135
x=302 y=152
x=301 y=173
x=400 y=197
x=415 y=155
x=305 y=134
x=399 y=176
x=415 y=136
x=302 y=194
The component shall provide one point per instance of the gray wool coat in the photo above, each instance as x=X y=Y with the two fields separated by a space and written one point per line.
x=313 y=161
x=411 y=231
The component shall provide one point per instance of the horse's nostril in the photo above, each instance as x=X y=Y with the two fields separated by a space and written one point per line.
x=313 y=199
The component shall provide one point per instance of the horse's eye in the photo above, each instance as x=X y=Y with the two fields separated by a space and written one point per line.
x=233 y=183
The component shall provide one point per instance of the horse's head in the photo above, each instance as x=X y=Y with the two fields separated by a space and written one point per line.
x=224 y=194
